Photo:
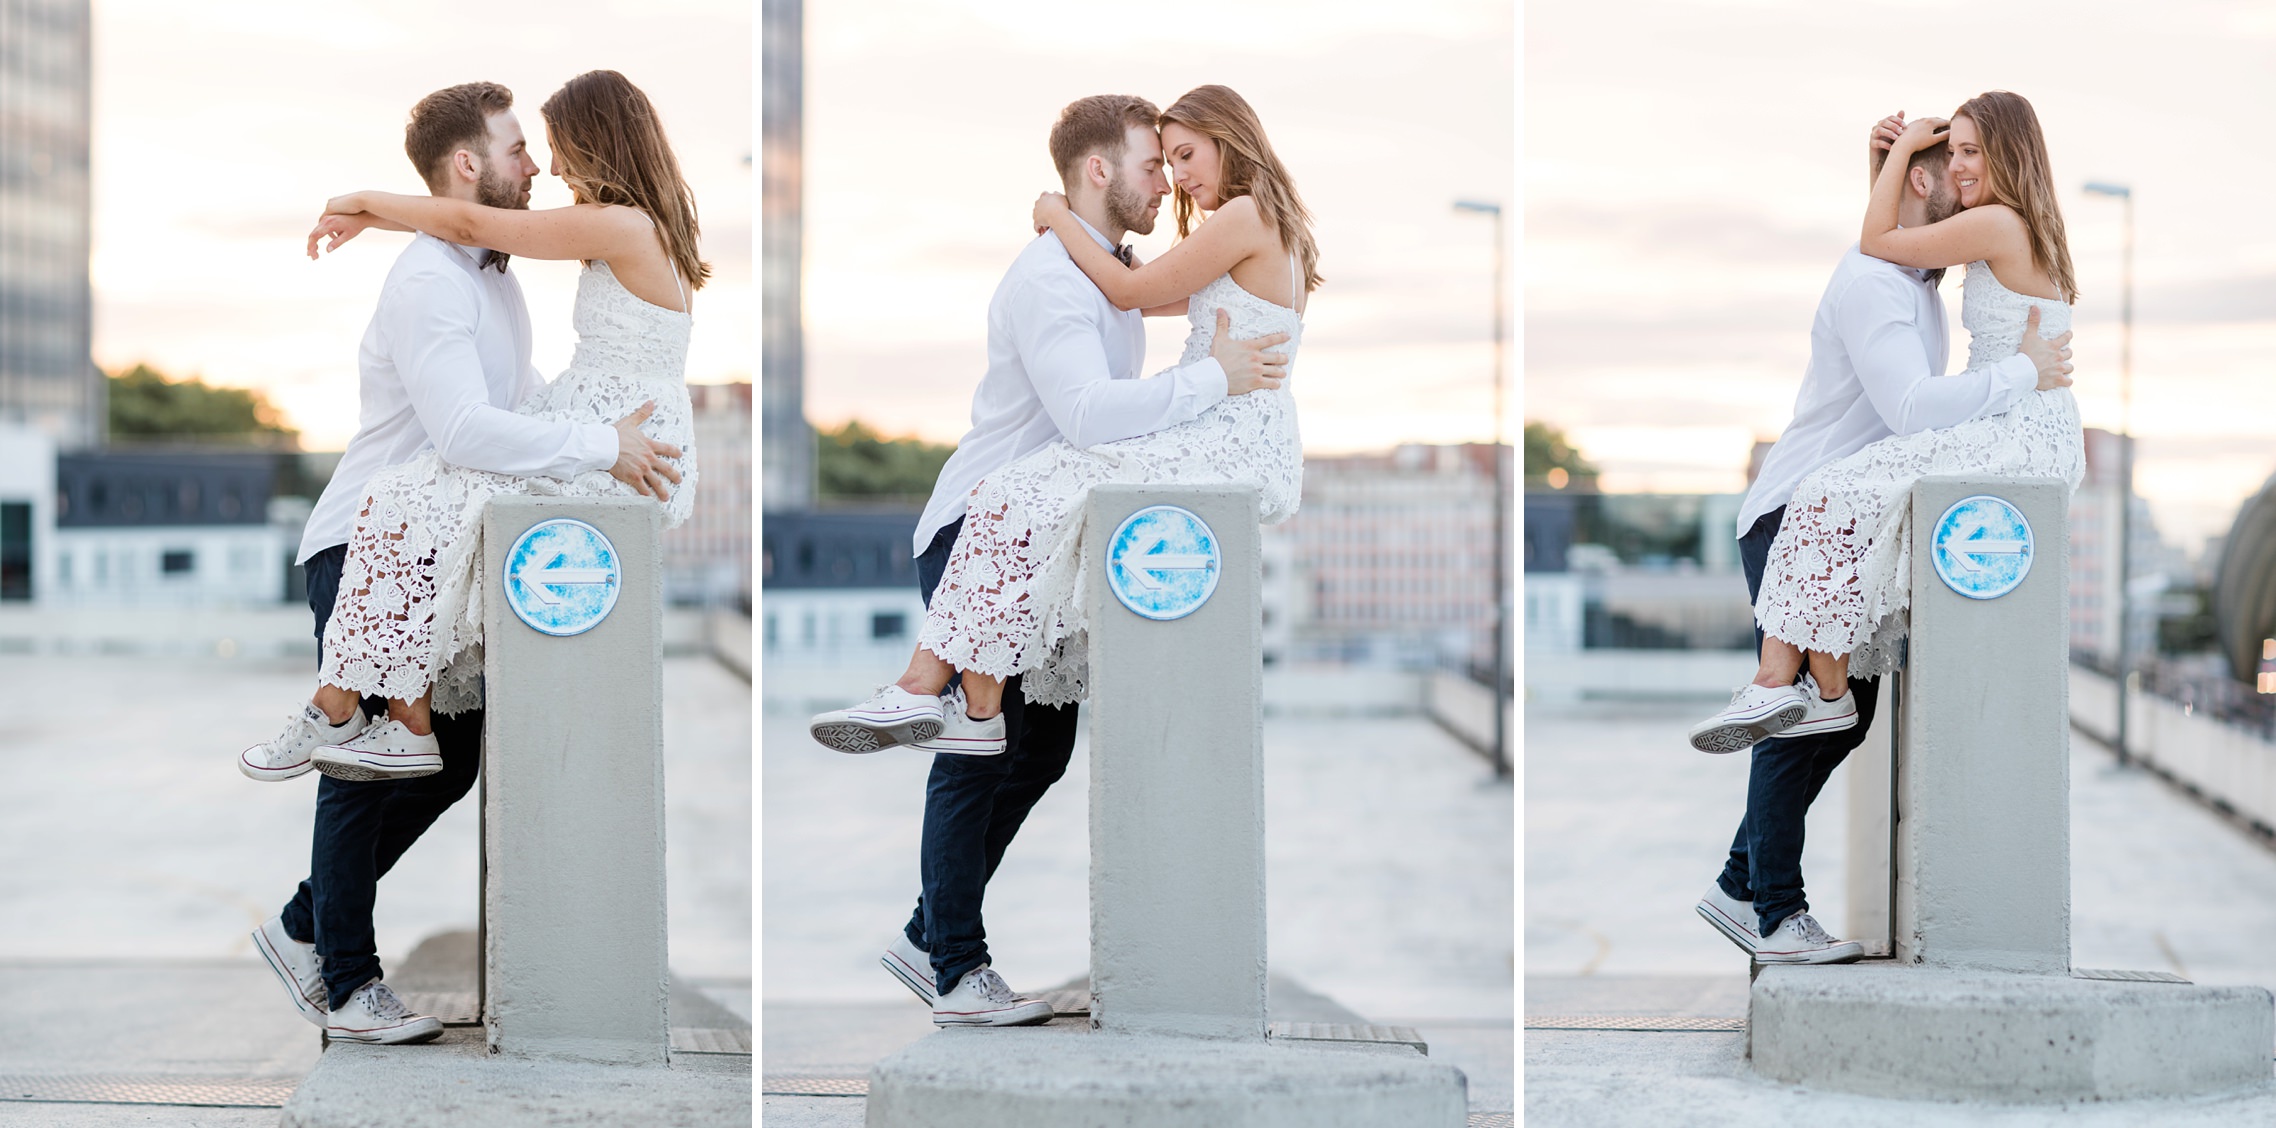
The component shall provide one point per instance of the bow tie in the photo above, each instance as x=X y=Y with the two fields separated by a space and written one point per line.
x=1123 y=252
x=495 y=259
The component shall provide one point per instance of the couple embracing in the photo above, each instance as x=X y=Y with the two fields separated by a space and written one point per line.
x=451 y=415
x=1823 y=533
x=1000 y=664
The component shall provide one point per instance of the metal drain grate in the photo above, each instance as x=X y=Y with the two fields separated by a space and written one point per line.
x=1345 y=1032
x=1647 y=1023
x=799 y=1085
x=710 y=1040
x=2126 y=976
x=1493 y=1120
x=149 y=1088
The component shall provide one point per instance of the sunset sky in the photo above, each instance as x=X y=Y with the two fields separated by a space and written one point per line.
x=1694 y=170
x=221 y=129
x=925 y=135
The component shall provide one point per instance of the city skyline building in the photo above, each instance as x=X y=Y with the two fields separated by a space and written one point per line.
x=48 y=379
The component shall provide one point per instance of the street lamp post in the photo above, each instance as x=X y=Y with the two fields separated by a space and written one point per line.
x=2125 y=193
x=1502 y=689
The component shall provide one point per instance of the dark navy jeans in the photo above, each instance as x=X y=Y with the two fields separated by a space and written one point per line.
x=973 y=807
x=1765 y=865
x=362 y=827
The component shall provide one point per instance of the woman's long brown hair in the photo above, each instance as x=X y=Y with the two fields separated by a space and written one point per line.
x=1247 y=167
x=2018 y=174
x=613 y=151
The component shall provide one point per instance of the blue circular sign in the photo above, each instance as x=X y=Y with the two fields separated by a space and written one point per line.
x=1162 y=562
x=562 y=577
x=1981 y=547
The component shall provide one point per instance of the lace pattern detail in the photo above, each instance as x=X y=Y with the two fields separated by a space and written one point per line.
x=1012 y=598
x=1839 y=576
x=409 y=613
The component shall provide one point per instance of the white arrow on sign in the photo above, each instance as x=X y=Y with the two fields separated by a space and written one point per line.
x=1966 y=552
x=539 y=581
x=1160 y=562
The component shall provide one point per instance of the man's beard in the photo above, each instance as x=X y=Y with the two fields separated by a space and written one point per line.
x=1943 y=204
x=498 y=192
x=1126 y=207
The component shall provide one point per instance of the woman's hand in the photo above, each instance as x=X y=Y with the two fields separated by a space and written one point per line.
x=1919 y=134
x=1049 y=206
x=1885 y=131
x=350 y=204
x=337 y=229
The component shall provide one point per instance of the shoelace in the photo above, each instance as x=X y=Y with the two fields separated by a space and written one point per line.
x=991 y=986
x=385 y=1004
x=1810 y=930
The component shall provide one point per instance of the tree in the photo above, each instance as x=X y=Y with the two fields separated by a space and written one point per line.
x=1550 y=459
x=854 y=461
x=146 y=405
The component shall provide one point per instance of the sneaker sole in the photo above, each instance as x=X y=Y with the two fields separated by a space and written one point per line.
x=1820 y=728
x=420 y=1032
x=361 y=771
x=259 y=774
x=1850 y=952
x=909 y=978
x=1028 y=1016
x=962 y=746
x=1737 y=735
x=1731 y=930
x=857 y=738
x=307 y=1006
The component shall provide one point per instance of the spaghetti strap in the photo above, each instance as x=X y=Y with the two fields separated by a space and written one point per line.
x=1293 y=293
x=673 y=266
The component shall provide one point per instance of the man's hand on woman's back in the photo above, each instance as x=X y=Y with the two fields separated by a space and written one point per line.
x=2053 y=357
x=640 y=459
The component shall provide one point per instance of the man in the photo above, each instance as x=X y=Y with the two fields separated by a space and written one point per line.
x=1876 y=347
x=1063 y=363
x=444 y=361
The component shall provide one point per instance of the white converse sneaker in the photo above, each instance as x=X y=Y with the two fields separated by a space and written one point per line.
x=373 y=1014
x=387 y=750
x=1732 y=917
x=893 y=716
x=1824 y=716
x=297 y=966
x=962 y=735
x=982 y=998
x=1755 y=714
x=1799 y=940
x=288 y=755
x=912 y=967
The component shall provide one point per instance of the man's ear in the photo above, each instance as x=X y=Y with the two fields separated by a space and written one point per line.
x=1095 y=171
x=463 y=166
x=1916 y=178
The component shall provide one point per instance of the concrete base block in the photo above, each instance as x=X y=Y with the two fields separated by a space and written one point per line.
x=458 y=1083
x=1068 y=1076
x=1891 y=1030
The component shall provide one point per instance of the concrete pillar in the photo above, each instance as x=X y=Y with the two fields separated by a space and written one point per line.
x=1177 y=786
x=1870 y=806
x=1983 y=776
x=1980 y=1002
x=573 y=800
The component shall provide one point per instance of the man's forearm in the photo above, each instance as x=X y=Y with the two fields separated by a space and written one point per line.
x=483 y=437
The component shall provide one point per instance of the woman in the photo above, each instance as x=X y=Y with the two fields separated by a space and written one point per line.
x=408 y=623
x=1011 y=600
x=1837 y=583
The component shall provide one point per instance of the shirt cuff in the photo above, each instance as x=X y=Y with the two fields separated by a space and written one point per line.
x=2022 y=376
x=1208 y=378
x=595 y=446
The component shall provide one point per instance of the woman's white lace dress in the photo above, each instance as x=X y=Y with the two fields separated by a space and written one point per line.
x=1839 y=576
x=1012 y=598
x=409 y=613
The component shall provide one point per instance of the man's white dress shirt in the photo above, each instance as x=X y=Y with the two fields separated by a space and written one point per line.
x=444 y=361
x=1062 y=363
x=1877 y=349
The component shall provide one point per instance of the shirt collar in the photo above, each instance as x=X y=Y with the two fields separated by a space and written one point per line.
x=473 y=255
x=1094 y=232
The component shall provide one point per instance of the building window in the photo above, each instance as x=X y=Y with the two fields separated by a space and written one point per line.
x=887 y=625
x=15 y=550
x=176 y=561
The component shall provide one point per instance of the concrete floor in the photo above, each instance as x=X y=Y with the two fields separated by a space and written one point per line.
x=1389 y=890
x=1626 y=825
x=134 y=859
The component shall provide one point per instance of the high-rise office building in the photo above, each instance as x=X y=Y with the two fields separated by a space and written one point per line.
x=47 y=375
